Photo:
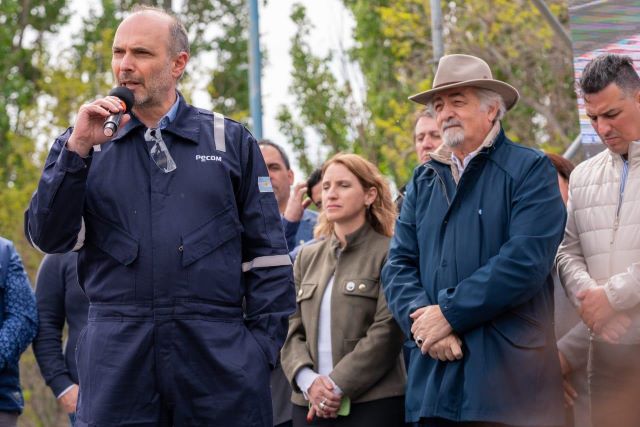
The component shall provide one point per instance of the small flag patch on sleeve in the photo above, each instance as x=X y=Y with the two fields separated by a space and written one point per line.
x=264 y=184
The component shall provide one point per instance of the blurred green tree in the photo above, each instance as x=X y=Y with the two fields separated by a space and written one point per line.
x=394 y=53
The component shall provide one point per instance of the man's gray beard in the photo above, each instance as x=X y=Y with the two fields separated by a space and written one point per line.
x=453 y=137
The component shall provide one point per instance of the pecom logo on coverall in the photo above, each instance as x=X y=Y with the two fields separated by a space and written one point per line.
x=203 y=158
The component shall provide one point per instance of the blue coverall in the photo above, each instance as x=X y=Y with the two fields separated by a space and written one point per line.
x=167 y=260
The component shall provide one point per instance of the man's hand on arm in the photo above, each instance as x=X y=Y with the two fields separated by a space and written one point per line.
x=429 y=326
x=297 y=203
x=87 y=130
x=595 y=308
x=597 y=312
x=448 y=349
x=615 y=328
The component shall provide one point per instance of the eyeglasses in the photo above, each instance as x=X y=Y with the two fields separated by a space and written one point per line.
x=159 y=151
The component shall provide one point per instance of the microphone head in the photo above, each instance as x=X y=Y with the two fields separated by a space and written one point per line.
x=124 y=94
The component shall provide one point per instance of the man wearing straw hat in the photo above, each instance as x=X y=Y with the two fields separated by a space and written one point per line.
x=467 y=276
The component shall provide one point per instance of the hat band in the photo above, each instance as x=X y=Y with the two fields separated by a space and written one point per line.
x=447 y=84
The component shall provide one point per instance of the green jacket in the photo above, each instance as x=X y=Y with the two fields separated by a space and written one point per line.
x=365 y=339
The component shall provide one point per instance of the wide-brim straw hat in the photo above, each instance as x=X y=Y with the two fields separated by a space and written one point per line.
x=466 y=70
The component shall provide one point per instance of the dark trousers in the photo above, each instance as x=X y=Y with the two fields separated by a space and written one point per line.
x=441 y=422
x=377 y=413
x=614 y=385
x=8 y=419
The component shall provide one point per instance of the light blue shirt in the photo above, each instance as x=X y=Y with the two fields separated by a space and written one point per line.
x=164 y=121
x=623 y=183
x=171 y=114
x=623 y=178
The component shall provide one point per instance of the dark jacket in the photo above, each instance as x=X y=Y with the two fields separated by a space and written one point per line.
x=482 y=250
x=60 y=301
x=365 y=339
x=167 y=261
x=18 y=324
x=299 y=233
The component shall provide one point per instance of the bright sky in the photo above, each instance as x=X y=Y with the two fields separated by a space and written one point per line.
x=332 y=30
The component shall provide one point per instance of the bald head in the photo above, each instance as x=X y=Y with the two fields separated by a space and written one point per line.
x=143 y=61
x=177 y=39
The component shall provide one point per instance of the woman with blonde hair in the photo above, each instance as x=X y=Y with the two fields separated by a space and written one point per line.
x=343 y=351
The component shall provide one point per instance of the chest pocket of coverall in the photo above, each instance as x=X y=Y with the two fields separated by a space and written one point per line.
x=212 y=253
x=108 y=252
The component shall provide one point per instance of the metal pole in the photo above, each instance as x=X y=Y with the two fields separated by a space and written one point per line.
x=436 y=31
x=553 y=21
x=255 y=62
x=572 y=150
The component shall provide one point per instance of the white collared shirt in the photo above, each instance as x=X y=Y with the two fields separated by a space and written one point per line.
x=488 y=142
x=306 y=376
x=465 y=161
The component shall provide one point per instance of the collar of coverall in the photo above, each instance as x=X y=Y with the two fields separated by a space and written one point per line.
x=185 y=125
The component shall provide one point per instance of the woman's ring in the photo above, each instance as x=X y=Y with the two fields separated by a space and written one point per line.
x=322 y=405
x=419 y=341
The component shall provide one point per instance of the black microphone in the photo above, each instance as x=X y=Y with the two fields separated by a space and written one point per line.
x=125 y=96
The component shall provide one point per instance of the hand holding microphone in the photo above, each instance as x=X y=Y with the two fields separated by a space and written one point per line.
x=125 y=96
x=99 y=120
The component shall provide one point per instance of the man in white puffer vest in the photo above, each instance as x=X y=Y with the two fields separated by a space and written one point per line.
x=599 y=258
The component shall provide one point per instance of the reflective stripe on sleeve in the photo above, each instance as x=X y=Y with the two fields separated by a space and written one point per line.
x=31 y=242
x=266 y=261
x=80 y=241
x=218 y=132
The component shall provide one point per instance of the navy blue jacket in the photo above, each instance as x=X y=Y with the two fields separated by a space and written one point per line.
x=298 y=233
x=482 y=250
x=167 y=260
x=18 y=324
x=60 y=300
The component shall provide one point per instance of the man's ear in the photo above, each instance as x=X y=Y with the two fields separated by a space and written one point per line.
x=291 y=176
x=179 y=64
x=493 y=112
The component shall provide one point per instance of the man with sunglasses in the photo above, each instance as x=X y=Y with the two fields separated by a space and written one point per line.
x=176 y=225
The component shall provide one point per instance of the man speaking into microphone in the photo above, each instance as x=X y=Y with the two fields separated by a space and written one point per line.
x=176 y=224
x=125 y=96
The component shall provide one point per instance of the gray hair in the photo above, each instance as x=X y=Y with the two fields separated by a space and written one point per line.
x=178 y=38
x=487 y=98
x=490 y=98
x=609 y=68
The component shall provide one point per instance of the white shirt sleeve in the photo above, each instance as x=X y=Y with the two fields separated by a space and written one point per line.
x=304 y=378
